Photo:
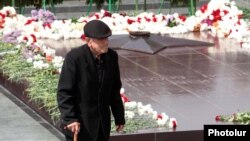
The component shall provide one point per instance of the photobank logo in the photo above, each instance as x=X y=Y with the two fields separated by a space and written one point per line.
x=236 y=132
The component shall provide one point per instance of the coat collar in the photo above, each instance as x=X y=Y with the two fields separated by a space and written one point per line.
x=91 y=65
x=90 y=61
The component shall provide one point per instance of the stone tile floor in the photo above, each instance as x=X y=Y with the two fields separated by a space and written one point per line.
x=20 y=123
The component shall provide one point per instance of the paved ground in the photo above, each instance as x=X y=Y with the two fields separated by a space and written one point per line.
x=20 y=123
x=193 y=84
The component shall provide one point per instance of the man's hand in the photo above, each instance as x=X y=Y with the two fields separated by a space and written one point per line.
x=119 y=128
x=73 y=127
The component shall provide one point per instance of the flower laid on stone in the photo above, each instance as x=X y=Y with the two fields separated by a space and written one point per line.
x=223 y=18
x=11 y=37
x=41 y=56
x=237 y=118
x=43 y=15
x=141 y=117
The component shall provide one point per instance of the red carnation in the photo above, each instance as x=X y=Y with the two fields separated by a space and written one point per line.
x=139 y=20
x=34 y=38
x=2 y=15
x=130 y=21
x=174 y=124
x=97 y=16
x=216 y=15
x=125 y=99
x=147 y=19
x=107 y=14
x=29 y=21
x=225 y=12
x=203 y=8
x=83 y=37
x=183 y=18
x=25 y=38
x=154 y=19
x=218 y=118
x=47 y=24
x=159 y=116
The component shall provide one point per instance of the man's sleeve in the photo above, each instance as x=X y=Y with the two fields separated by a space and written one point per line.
x=116 y=103
x=65 y=92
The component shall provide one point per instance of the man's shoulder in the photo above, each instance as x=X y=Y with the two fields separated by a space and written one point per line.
x=77 y=51
x=112 y=52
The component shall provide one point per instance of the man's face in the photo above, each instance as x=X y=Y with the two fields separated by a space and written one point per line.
x=99 y=46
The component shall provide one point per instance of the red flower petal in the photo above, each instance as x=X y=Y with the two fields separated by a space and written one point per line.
x=130 y=21
x=218 y=118
x=174 y=124
x=225 y=12
x=203 y=8
x=47 y=24
x=154 y=19
x=34 y=38
x=25 y=38
x=29 y=21
x=159 y=116
x=49 y=58
x=97 y=16
x=107 y=14
x=83 y=37
x=2 y=15
x=125 y=99
x=183 y=18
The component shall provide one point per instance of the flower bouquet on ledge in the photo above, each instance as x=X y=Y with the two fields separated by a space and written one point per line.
x=140 y=118
x=237 y=118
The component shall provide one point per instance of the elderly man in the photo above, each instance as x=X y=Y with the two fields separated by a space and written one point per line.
x=89 y=87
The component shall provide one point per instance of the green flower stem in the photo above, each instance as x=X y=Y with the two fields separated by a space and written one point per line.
x=89 y=7
x=110 y=5
x=145 y=5
x=159 y=10
x=13 y=3
x=136 y=7
x=192 y=7
x=44 y=4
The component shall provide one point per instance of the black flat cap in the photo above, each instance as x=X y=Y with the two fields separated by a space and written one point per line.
x=97 y=29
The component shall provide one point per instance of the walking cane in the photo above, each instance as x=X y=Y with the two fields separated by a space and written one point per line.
x=75 y=136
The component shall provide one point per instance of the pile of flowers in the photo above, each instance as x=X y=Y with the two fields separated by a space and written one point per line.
x=237 y=118
x=43 y=15
x=222 y=18
x=42 y=57
x=142 y=117
x=25 y=32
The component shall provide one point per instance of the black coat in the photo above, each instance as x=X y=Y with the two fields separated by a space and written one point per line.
x=82 y=98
